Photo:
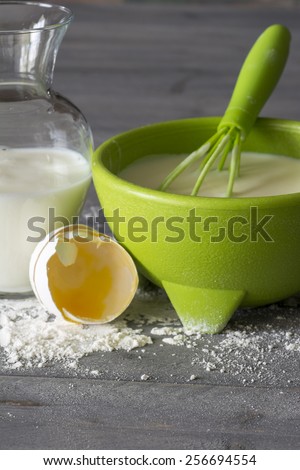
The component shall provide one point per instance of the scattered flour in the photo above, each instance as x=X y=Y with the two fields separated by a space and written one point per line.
x=193 y=377
x=178 y=340
x=259 y=345
x=32 y=338
x=145 y=377
x=255 y=350
x=165 y=331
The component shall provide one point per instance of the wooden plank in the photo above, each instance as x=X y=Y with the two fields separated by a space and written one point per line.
x=93 y=414
x=235 y=364
x=130 y=65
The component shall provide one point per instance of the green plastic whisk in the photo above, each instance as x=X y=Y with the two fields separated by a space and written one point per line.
x=257 y=79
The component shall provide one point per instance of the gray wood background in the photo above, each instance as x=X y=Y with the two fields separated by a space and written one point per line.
x=126 y=65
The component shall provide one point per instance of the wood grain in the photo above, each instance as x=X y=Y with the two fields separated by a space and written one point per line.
x=131 y=65
x=93 y=414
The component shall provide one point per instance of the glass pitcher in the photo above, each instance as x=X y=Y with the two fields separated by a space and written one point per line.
x=45 y=142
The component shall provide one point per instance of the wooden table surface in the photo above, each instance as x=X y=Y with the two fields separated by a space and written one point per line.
x=125 y=65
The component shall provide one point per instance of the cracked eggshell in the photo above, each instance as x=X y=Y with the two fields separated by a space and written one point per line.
x=106 y=251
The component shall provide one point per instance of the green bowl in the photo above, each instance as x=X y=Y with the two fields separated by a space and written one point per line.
x=211 y=255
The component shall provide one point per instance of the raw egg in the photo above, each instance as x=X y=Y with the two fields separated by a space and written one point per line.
x=83 y=275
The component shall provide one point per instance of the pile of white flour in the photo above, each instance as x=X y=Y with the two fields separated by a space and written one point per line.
x=32 y=338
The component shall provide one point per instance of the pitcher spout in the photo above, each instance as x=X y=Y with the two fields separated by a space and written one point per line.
x=29 y=45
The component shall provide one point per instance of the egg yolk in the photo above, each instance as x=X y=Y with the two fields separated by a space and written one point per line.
x=91 y=280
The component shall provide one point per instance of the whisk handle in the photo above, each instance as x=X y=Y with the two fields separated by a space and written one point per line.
x=257 y=79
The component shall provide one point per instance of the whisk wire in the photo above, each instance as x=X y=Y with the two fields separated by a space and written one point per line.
x=225 y=155
x=203 y=151
x=211 y=151
x=211 y=158
x=234 y=163
x=220 y=150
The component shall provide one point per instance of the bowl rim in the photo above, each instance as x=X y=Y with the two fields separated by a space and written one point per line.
x=205 y=202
